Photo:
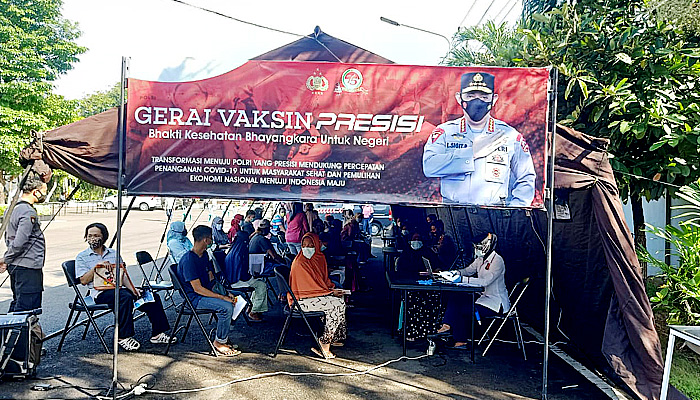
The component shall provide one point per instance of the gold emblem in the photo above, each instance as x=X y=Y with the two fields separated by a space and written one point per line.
x=317 y=83
x=478 y=78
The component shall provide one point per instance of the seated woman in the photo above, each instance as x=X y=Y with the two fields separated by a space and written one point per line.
x=238 y=275
x=97 y=255
x=220 y=237
x=309 y=281
x=443 y=245
x=490 y=270
x=177 y=241
x=424 y=310
x=235 y=227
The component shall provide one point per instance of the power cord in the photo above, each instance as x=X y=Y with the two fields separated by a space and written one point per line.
x=142 y=388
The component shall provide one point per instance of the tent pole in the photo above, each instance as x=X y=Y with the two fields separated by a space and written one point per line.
x=552 y=125
x=120 y=187
x=226 y=209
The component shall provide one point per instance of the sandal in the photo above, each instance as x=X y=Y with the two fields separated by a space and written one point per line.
x=226 y=351
x=129 y=344
x=325 y=355
x=163 y=338
x=338 y=344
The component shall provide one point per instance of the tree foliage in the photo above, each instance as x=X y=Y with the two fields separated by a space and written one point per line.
x=99 y=101
x=36 y=46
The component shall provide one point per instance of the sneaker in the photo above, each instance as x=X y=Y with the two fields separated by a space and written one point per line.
x=163 y=338
x=129 y=344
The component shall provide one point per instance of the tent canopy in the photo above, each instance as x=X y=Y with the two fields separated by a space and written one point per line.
x=600 y=291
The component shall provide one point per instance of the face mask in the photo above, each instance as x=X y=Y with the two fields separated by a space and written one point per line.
x=41 y=198
x=478 y=252
x=95 y=243
x=324 y=247
x=404 y=232
x=476 y=109
x=308 y=252
x=219 y=227
x=416 y=244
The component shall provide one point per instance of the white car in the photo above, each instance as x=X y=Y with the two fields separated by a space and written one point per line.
x=143 y=203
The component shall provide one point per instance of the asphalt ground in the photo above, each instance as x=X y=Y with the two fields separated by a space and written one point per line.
x=502 y=374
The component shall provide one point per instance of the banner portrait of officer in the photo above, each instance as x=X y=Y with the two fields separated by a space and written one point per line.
x=480 y=160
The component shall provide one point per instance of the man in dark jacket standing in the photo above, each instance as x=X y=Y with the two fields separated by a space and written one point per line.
x=26 y=249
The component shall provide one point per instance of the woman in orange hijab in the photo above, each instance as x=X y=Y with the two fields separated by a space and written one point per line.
x=309 y=281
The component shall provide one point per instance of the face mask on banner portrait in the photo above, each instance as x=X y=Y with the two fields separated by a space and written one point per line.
x=308 y=252
x=476 y=109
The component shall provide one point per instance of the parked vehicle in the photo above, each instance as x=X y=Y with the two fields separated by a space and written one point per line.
x=143 y=203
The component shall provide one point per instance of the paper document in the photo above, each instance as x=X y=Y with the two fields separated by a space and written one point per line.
x=238 y=307
x=146 y=298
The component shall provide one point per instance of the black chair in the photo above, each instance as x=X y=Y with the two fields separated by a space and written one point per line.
x=258 y=273
x=81 y=305
x=511 y=315
x=186 y=308
x=295 y=311
x=218 y=258
x=144 y=258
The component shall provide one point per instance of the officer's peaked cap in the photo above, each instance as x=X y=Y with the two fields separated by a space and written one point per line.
x=478 y=81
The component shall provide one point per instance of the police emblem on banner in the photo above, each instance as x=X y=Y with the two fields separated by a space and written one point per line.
x=317 y=83
x=352 y=80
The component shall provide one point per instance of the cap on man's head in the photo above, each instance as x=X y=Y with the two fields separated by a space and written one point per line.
x=264 y=224
x=478 y=81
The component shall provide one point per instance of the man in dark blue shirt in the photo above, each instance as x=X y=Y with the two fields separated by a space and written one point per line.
x=197 y=281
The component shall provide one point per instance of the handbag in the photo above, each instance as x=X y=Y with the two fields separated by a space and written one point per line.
x=219 y=288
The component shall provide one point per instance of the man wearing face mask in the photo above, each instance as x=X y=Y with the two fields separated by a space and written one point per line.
x=479 y=159
x=487 y=270
x=26 y=249
x=261 y=244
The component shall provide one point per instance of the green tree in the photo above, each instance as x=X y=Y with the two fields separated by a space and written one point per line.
x=36 y=46
x=99 y=101
x=627 y=74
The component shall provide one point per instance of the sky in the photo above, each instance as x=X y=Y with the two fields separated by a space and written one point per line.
x=161 y=35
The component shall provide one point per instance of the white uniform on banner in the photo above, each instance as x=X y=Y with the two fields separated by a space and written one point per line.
x=502 y=173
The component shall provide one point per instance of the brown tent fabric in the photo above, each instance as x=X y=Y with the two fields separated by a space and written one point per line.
x=89 y=148
x=320 y=46
x=630 y=342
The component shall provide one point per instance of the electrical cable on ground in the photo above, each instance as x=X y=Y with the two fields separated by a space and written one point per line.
x=142 y=388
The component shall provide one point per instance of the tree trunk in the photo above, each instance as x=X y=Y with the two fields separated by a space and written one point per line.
x=2 y=187
x=640 y=238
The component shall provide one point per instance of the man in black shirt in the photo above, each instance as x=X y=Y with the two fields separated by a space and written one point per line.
x=247 y=224
x=261 y=244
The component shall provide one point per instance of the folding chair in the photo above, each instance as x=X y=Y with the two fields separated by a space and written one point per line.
x=143 y=258
x=217 y=258
x=80 y=305
x=295 y=311
x=512 y=315
x=186 y=308
x=256 y=267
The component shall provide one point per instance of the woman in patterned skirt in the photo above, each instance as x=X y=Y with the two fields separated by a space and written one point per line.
x=309 y=281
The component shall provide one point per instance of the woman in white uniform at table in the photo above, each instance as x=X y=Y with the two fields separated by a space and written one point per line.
x=487 y=270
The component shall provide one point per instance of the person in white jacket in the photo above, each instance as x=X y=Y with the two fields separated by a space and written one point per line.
x=487 y=270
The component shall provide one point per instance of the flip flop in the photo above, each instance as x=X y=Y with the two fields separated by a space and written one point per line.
x=460 y=347
x=322 y=355
x=227 y=353
x=337 y=344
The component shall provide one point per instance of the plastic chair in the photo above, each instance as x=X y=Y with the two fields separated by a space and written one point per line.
x=81 y=304
x=512 y=315
x=186 y=308
x=295 y=311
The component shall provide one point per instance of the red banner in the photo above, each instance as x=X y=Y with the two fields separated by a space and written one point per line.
x=343 y=132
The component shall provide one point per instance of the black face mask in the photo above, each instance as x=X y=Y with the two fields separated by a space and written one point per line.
x=95 y=243
x=476 y=109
